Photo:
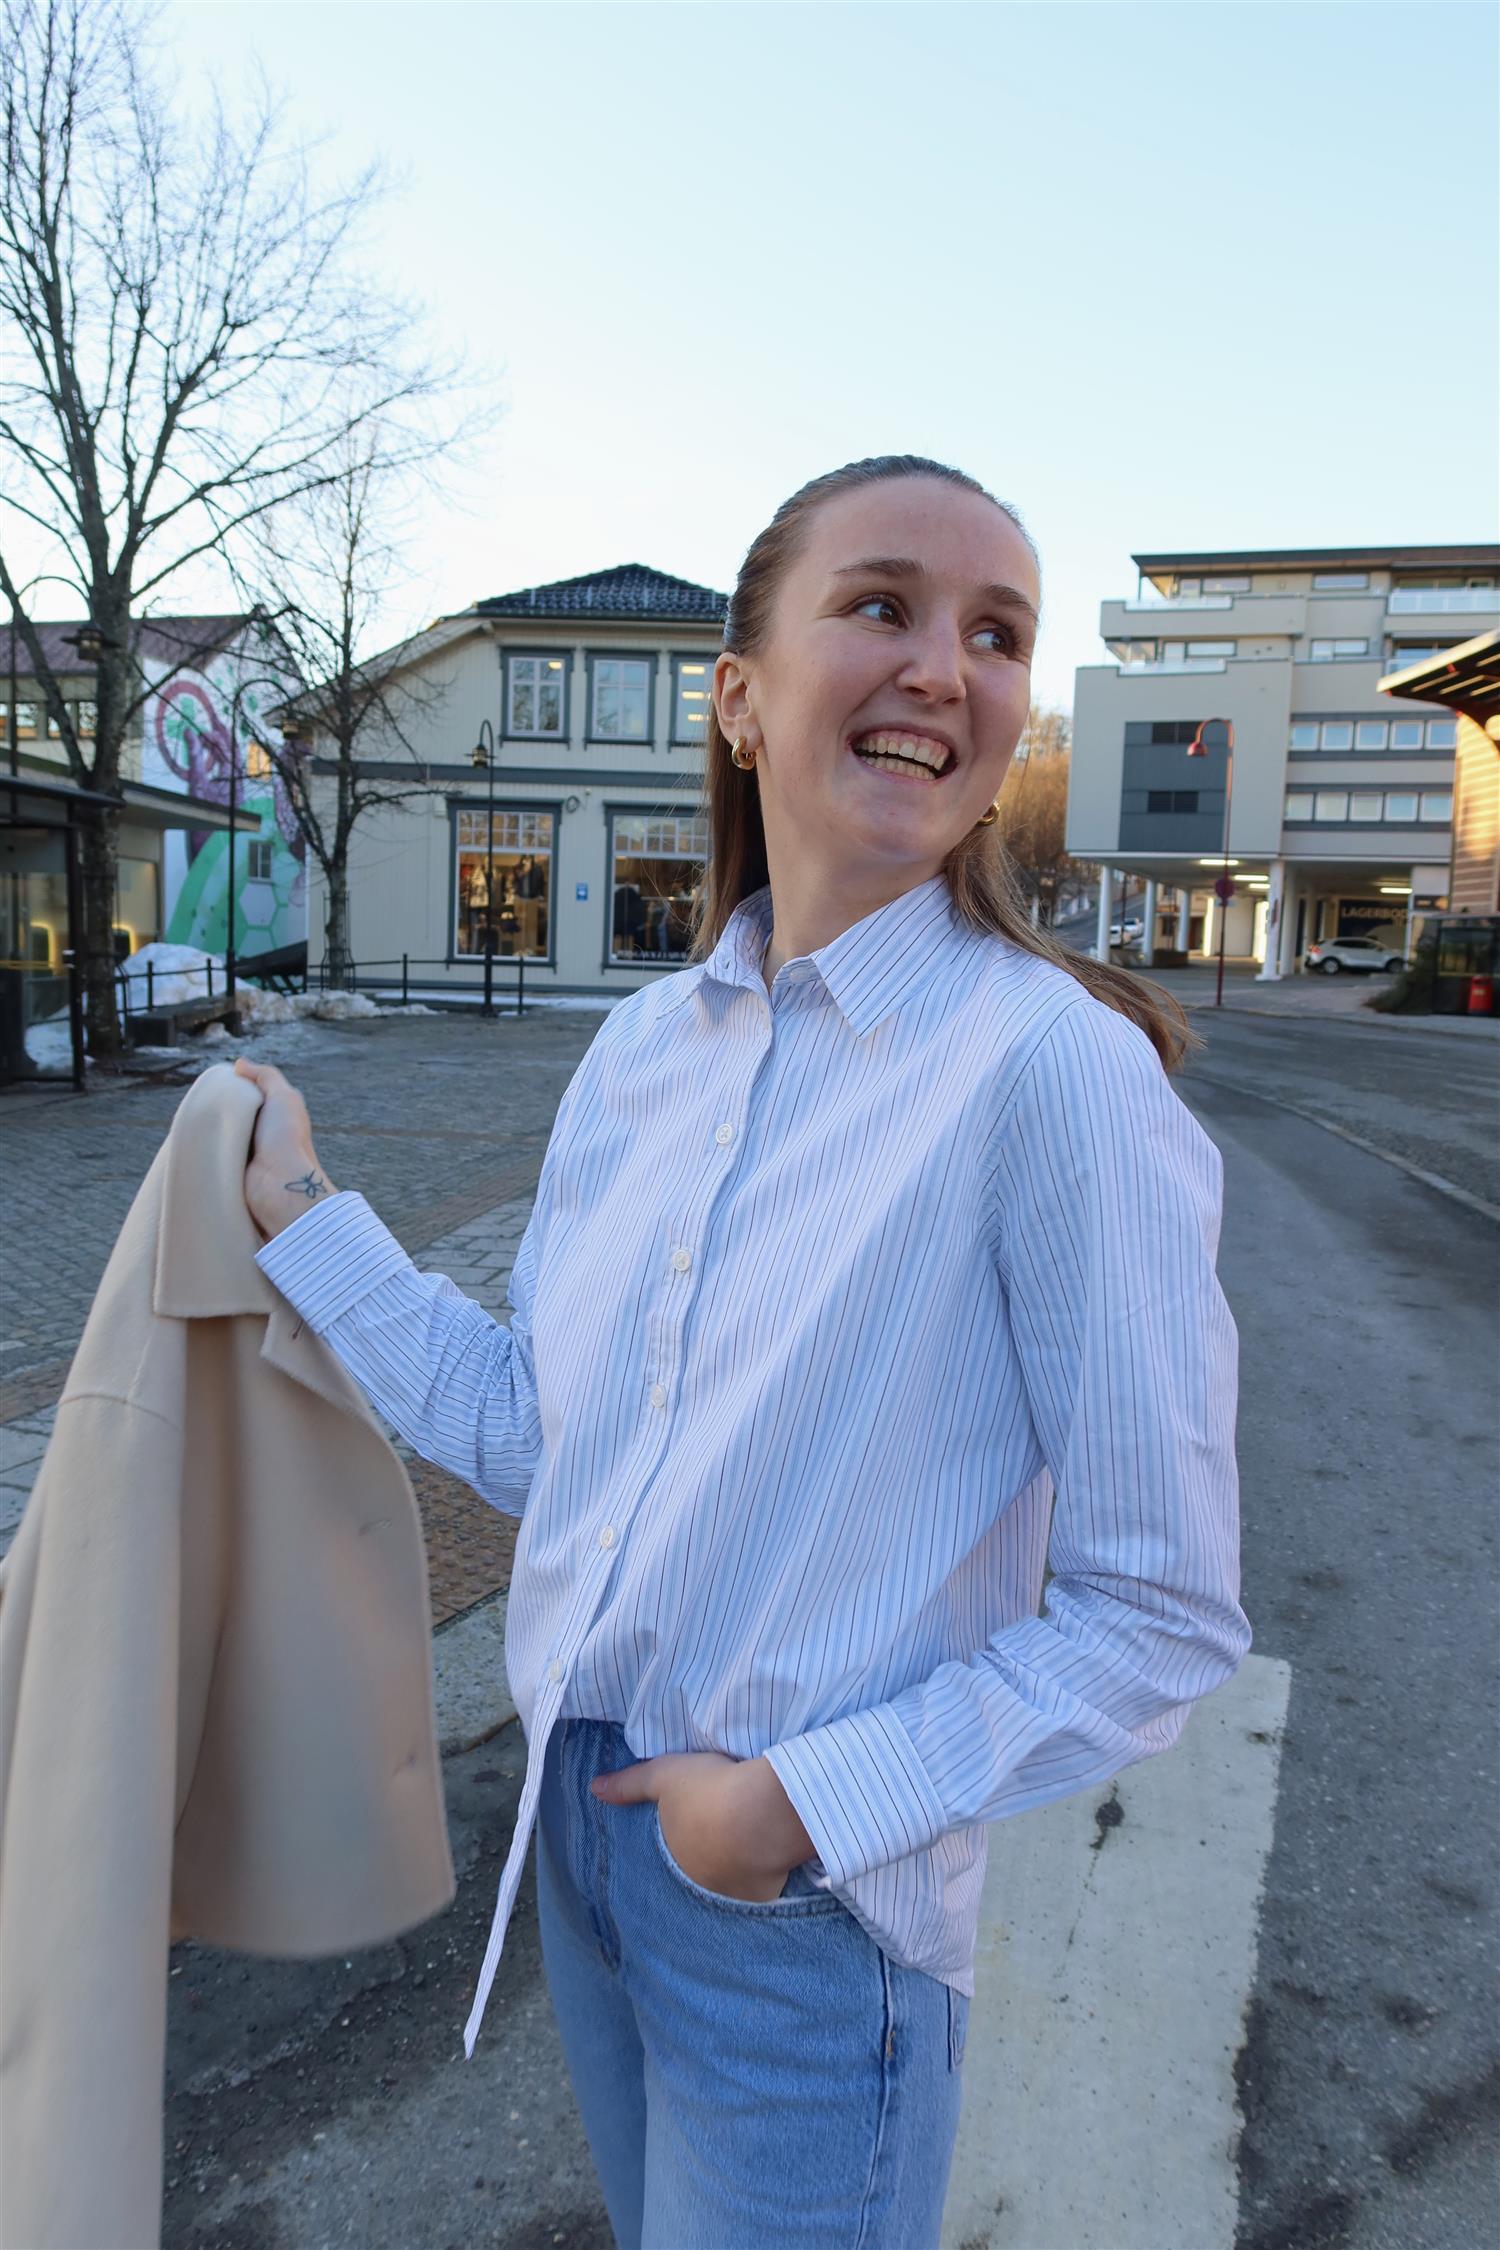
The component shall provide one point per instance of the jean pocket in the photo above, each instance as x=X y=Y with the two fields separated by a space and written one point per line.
x=958 y=2027
x=800 y=1895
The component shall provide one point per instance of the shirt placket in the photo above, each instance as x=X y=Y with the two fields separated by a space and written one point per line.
x=665 y=1329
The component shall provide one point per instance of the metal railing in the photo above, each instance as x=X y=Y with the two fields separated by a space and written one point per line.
x=360 y=975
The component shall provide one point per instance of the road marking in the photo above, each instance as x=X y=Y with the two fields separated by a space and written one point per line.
x=1115 y=1964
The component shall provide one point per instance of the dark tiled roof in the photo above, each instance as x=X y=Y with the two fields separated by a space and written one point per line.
x=628 y=591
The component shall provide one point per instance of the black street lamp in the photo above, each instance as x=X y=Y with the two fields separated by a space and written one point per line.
x=1199 y=747
x=484 y=755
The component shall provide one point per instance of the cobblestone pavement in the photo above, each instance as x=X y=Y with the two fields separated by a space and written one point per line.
x=442 y=1121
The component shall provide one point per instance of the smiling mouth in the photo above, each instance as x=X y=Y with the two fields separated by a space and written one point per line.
x=902 y=757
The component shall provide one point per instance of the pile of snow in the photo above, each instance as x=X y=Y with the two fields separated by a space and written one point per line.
x=177 y=973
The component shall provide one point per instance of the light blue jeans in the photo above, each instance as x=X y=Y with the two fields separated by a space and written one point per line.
x=748 y=2075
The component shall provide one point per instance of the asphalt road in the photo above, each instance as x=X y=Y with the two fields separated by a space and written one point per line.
x=1367 y=1310
x=330 y=2103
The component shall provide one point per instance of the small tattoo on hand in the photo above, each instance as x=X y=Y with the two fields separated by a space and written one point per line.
x=311 y=1184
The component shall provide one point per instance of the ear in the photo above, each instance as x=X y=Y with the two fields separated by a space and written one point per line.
x=731 y=694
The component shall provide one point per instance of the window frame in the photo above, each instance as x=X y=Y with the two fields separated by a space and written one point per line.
x=708 y=658
x=1341 y=582
x=614 y=814
x=509 y=658
x=593 y=658
x=478 y=803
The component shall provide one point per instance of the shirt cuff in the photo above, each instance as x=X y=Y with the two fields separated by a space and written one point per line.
x=861 y=1792
x=330 y=1256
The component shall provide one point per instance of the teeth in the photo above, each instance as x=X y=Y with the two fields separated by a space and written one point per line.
x=931 y=757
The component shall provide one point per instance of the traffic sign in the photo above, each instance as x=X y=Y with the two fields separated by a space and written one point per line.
x=1224 y=887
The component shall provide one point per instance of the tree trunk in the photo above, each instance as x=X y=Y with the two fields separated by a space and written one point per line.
x=94 y=944
x=336 y=962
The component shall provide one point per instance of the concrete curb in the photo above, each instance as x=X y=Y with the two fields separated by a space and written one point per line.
x=1356 y=1140
x=468 y=1676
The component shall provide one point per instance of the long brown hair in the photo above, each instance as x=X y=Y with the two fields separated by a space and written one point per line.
x=981 y=874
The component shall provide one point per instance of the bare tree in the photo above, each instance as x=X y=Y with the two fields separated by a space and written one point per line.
x=354 y=741
x=1034 y=809
x=187 y=346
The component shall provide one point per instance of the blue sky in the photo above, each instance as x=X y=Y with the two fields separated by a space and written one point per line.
x=1192 y=274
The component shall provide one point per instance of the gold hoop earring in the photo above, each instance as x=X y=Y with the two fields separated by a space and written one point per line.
x=745 y=761
x=986 y=817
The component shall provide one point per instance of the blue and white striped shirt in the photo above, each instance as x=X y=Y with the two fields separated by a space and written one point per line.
x=827 y=1292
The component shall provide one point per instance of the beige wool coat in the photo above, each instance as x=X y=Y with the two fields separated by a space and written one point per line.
x=216 y=1705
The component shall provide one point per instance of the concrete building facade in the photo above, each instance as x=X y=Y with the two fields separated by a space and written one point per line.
x=1340 y=808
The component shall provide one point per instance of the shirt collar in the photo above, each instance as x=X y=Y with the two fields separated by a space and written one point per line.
x=869 y=970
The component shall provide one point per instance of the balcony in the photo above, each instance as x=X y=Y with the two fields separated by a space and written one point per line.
x=1205 y=617
x=1443 y=601
x=1163 y=666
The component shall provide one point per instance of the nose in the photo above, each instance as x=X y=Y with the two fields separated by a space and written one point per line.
x=932 y=664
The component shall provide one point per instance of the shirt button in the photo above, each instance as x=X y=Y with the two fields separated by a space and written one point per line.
x=554 y=1670
x=724 y=1135
x=607 y=1536
x=658 y=1394
x=682 y=1259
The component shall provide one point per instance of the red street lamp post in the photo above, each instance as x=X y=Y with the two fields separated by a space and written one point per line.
x=1199 y=747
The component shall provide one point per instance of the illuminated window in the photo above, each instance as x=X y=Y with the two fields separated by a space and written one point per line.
x=520 y=859
x=692 y=698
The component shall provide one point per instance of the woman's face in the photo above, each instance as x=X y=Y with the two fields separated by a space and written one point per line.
x=910 y=617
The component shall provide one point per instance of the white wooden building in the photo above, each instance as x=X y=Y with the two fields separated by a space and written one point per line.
x=594 y=693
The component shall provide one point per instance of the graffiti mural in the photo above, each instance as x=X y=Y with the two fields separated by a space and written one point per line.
x=202 y=718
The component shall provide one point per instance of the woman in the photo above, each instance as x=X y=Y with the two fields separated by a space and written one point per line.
x=855 y=1241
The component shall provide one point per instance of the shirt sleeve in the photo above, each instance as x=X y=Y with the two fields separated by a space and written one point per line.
x=458 y=1385
x=1108 y=1199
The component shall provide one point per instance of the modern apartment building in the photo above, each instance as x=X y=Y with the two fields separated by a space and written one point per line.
x=1340 y=805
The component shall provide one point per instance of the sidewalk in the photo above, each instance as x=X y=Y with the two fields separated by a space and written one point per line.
x=390 y=1100
x=1343 y=998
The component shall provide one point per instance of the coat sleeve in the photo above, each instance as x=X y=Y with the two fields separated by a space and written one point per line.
x=1106 y=1211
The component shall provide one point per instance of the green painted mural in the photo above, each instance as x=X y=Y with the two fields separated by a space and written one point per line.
x=201 y=720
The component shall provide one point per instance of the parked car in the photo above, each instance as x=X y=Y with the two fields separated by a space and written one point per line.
x=1336 y=954
x=1126 y=932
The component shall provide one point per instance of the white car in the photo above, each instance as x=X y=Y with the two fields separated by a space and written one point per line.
x=1334 y=955
x=1126 y=932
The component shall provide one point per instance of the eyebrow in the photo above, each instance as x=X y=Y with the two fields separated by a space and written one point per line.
x=902 y=566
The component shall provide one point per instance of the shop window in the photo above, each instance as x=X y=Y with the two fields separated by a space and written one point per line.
x=137 y=902
x=658 y=863
x=520 y=858
x=692 y=699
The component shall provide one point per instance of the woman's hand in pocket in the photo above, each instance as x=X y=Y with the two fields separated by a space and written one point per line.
x=727 y=1822
x=283 y=1177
